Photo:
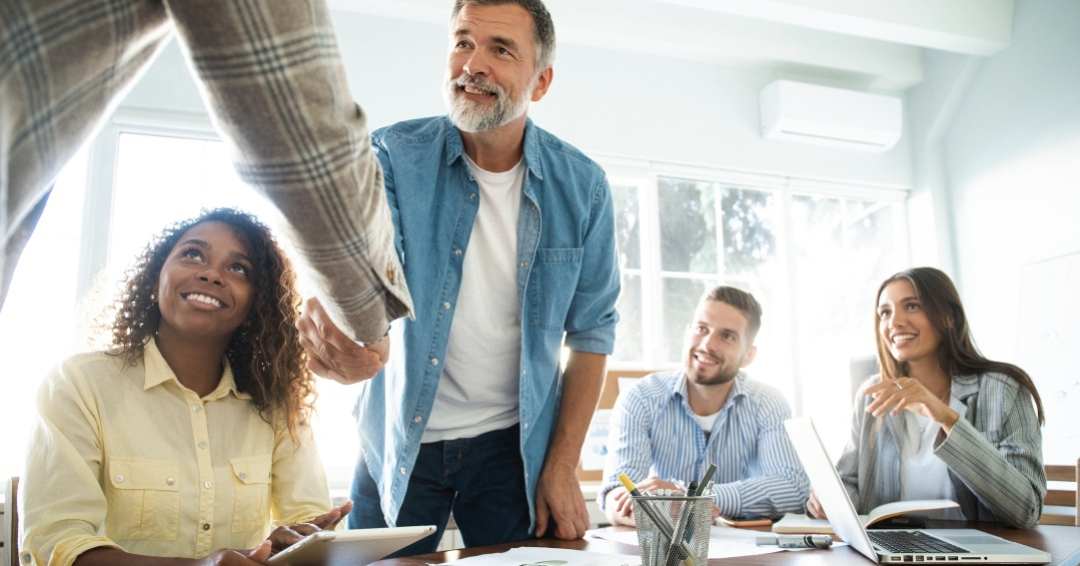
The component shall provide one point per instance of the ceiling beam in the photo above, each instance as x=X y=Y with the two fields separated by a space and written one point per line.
x=970 y=27
x=647 y=26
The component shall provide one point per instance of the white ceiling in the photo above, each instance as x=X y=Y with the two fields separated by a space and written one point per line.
x=866 y=44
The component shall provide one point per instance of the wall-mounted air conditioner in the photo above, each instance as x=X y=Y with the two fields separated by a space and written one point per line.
x=800 y=112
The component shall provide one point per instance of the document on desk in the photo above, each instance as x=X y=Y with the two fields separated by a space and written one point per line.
x=548 y=556
x=724 y=542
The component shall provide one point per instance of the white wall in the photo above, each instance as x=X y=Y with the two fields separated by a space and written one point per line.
x=602 y=101
x=1011 y=154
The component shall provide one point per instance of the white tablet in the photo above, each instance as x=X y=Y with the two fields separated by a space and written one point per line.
x=357 y=547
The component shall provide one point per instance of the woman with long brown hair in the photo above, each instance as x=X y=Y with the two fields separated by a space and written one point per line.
x=941 y=421
x=189 y=436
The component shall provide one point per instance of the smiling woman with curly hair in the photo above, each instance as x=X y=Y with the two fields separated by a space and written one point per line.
x=265 y=354
x=191 y=432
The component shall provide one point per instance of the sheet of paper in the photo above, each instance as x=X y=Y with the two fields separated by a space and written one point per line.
x=724 y=542
x=537 y=556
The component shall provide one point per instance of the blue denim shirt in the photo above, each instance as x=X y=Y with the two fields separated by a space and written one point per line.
x=567 y=284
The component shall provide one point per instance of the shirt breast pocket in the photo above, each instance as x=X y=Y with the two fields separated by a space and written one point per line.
x=251 y=506
x=552 y=284
x=143 y=498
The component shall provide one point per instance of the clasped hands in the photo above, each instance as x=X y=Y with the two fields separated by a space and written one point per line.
x=332 y=353
x=906 y=393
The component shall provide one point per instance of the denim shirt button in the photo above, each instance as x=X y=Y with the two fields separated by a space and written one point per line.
x=457 y=251
x=524 y=264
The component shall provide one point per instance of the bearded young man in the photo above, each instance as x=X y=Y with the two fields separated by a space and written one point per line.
x=671 y=426
x=506 y=235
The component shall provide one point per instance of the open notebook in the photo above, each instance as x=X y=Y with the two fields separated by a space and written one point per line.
x=798 y=523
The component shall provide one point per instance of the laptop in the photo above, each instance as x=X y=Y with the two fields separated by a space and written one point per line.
x=893 y=546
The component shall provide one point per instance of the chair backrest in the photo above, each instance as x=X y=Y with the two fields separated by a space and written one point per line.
x=11 y=522
x=1060 y=500
x=609 y=391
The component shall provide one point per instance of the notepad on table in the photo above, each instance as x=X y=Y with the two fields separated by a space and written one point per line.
x=797 y=523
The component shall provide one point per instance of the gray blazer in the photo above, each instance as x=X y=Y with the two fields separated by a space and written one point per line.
x=994 y=452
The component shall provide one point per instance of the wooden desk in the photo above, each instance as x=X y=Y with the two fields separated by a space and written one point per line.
x=1059 y=541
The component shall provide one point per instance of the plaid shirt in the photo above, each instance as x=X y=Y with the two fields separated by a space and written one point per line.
x=271 y=75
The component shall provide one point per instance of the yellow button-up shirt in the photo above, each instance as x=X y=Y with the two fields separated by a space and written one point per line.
x=126 y=457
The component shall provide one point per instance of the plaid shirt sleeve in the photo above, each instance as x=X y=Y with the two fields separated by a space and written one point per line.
x=272 y=77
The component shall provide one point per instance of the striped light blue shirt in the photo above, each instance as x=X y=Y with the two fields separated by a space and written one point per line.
x=653 y=433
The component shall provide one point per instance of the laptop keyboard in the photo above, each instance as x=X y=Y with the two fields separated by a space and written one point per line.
x=911 y=542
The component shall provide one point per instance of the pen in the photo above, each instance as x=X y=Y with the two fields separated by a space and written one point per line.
x=704 y=486
x=705 y=480
x=796 y=541
x=681 y=525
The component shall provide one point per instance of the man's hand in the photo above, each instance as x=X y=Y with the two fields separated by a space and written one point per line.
x=620 y=507
x=654 y=484
x=332 y=353
x=558 y=497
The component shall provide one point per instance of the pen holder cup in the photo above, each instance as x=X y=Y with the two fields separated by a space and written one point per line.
x=673 y=530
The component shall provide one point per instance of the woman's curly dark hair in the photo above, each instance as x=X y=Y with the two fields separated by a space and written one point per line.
x=265 y=354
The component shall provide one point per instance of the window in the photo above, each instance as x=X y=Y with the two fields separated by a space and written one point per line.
x=811 y=253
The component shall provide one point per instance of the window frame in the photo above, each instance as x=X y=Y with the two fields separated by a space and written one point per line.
x=101 y=176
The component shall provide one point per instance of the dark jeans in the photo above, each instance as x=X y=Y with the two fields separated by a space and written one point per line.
x=480 y=479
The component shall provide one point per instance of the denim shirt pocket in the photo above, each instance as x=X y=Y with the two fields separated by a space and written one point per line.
x=143 y=498
x=552 y=284
x=251 y=481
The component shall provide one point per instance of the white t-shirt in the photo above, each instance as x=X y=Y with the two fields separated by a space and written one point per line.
x=706 y=423
x=922 y=474
x=479 y=388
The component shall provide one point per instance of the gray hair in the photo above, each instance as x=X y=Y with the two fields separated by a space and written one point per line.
x=543 y=27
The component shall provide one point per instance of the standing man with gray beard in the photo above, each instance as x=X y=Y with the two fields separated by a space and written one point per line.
x=673 y=425
x=506 y=235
